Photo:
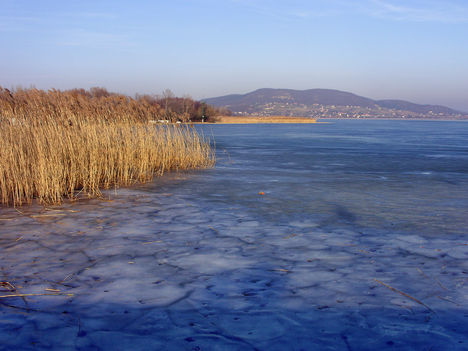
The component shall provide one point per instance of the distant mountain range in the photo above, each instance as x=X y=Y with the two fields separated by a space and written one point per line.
x=323 y=103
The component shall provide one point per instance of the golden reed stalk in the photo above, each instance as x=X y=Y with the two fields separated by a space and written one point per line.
x=56 y=144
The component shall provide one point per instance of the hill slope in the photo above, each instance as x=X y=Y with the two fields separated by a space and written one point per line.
x=310 y=102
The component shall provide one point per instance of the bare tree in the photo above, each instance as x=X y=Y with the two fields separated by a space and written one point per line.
x=167 y=96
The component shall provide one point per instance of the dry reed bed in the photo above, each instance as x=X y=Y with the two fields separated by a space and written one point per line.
x=56 y=145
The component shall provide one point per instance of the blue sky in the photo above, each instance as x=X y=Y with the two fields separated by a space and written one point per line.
x=414 y=50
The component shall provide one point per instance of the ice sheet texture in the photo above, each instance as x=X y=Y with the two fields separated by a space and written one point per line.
x=202 y=261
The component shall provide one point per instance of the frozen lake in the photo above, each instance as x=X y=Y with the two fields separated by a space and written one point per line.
x=350 y=235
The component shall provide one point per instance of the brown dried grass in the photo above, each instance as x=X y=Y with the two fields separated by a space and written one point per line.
x=54 y=145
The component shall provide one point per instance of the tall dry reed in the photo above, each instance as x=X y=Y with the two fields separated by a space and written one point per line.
x=54 y=145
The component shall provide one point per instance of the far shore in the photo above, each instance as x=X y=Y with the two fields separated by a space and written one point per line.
x=260 y=119
x=292 y=120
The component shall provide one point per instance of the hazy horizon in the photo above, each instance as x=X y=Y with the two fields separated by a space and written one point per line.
x=381 y=49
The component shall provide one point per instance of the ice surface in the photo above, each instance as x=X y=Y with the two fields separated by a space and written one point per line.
x=330 y=258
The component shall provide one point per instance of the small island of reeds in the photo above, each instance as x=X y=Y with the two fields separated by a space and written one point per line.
x=57 y=145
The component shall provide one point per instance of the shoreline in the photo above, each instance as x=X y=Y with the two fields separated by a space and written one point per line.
x=260 y=120
x=397 y=119
x=310 y=120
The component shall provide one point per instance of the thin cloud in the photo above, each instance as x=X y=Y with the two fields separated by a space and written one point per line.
x=398 y=10
x=86 y=38
x=292 y=10
x=260 y=8
x=76 y=27
x=418 y=11
x=40 y=21
x=17 y=23
x=92 y=15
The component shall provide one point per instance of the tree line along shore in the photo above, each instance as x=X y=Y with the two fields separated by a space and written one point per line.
x=57 y=145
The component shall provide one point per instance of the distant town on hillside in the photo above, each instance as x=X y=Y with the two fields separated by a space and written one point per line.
x=327 y=103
